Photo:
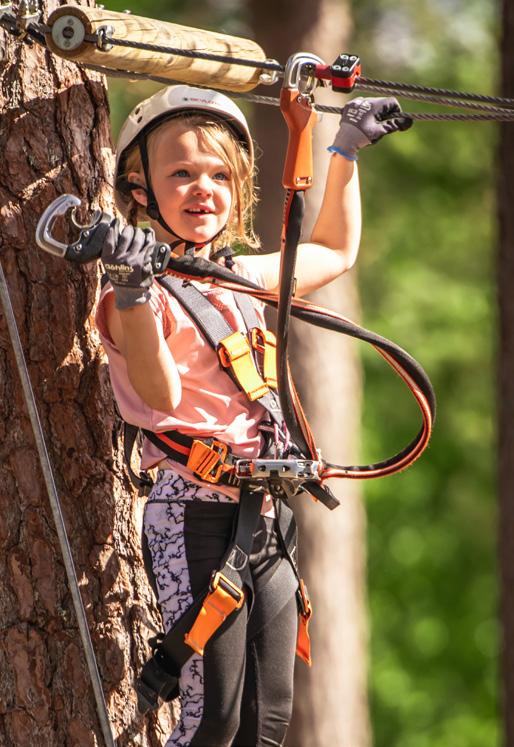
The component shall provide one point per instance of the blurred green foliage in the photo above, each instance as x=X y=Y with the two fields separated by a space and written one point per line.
x=426 y=274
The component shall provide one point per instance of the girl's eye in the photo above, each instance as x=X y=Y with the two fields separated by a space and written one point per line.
x=181 y=173
x=222 y=176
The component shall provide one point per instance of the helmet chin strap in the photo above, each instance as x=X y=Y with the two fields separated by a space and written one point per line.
x=152 y=206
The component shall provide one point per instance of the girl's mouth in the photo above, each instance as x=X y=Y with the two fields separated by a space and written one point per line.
x=199 y=211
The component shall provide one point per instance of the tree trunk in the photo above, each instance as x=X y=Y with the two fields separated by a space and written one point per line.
x=55 y=138
x=331 y=698
x=505 y=272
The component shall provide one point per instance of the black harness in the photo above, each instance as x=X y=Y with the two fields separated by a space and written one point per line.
x=177 y=445
x=159 y=677
x=160 y=674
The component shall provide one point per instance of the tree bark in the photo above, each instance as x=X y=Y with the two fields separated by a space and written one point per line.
x=55 y=138
x=505 y=279
x=331 y=698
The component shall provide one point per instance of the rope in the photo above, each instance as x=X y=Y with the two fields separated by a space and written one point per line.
x=499 y=109
x=432 y=99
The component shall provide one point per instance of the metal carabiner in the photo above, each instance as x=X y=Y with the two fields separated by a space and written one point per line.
x=77 y=251
x=89 y=244
x=295 y=77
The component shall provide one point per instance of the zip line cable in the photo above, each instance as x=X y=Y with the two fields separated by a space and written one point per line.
x=487 y=113
x=486 y=108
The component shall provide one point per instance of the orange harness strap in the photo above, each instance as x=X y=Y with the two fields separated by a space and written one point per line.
x=234 y=352
x=223 y=599
x=303 y=641
x=265 y=342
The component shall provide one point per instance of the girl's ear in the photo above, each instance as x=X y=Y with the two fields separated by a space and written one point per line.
x=138 y=194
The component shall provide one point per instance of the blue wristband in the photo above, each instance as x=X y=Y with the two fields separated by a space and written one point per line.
x=345 y=154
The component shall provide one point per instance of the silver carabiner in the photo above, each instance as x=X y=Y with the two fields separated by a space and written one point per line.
x=294 y=75
x=58 y=207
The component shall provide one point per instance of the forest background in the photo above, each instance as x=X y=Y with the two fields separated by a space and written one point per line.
x=426 y=278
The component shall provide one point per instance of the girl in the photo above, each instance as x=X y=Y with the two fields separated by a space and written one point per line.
x=184 y=165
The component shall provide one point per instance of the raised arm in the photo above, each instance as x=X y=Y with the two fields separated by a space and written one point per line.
x=334 y=242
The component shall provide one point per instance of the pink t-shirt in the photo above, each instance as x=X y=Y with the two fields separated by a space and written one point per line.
x=211 y=405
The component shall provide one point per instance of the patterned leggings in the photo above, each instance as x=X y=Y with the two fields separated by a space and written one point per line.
x=240 y=692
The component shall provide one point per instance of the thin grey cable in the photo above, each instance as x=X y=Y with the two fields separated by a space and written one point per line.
x=432 y=99
x=55 y=505
x=193 y=53
x=437 y=91
x=485 y=113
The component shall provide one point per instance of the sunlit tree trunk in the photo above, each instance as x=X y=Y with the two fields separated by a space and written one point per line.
x=331 y=698
x=505 y=270
x=55 y=138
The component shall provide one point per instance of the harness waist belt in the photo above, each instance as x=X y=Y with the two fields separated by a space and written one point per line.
x=212 y=461
x=209 y=459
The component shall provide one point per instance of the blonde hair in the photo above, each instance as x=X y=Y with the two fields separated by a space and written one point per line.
x=223 y=142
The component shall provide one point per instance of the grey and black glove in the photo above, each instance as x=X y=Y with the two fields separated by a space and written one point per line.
x=364 y=121
x=127 y=258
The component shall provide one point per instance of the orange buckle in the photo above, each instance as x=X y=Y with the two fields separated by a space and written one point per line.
x=265 y=342
x=303 y=641
x=228 y=586
x=208 y=461
x=234 y=352
x=223 y=599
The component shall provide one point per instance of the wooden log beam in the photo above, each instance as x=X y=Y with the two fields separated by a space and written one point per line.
x=69 y=27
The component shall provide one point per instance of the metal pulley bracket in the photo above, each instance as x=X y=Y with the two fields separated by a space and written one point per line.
x=27 y=13
x=297 y=108
x=293 y=469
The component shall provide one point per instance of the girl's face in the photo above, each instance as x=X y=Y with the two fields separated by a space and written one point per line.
x=193 y=186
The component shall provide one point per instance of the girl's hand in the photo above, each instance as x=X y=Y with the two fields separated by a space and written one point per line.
x=364 y=121
x=127 y=258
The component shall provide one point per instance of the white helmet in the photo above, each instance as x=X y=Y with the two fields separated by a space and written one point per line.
x=165 y=104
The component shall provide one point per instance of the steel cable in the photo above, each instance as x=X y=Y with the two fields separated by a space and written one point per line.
x=55 y=505
x=502 y=109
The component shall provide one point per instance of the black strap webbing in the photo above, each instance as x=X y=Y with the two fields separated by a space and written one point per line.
x=209 y=320
x=214 y=327
x=143 y=481
x=285 y=580
x=159 y=676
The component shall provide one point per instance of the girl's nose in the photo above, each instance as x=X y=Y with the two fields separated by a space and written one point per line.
x=203 y=184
